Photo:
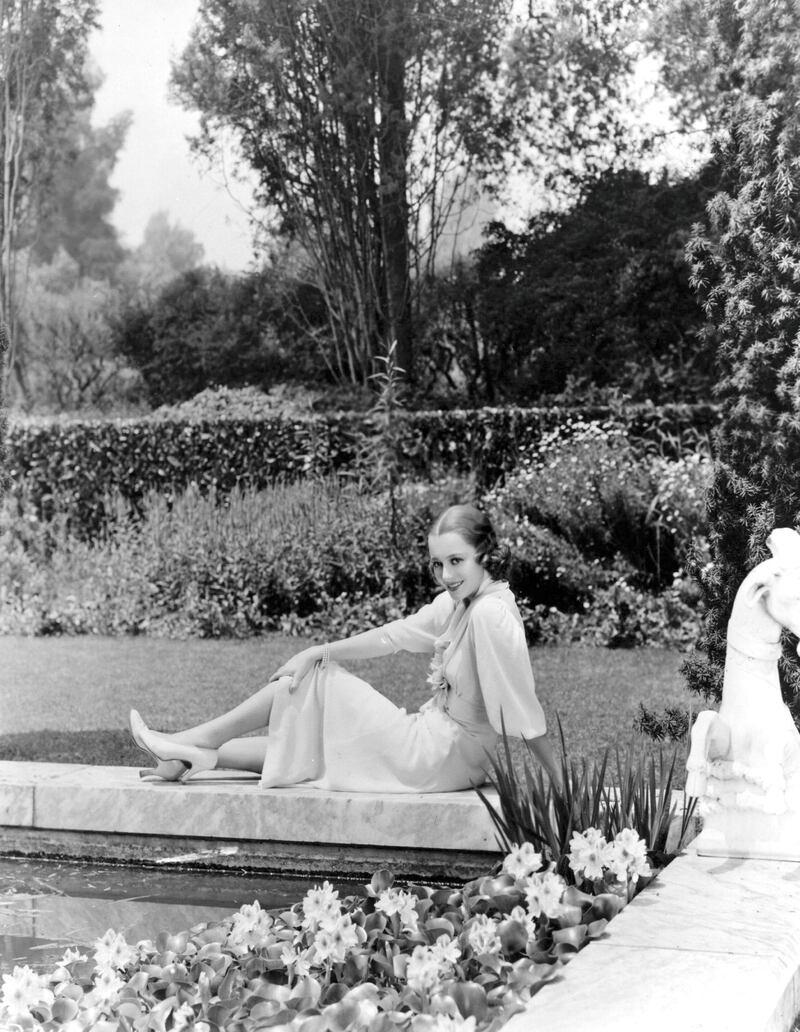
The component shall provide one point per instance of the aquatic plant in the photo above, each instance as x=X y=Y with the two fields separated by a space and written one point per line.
x=410 y=958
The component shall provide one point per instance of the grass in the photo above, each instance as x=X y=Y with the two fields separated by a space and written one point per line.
x=67 y=699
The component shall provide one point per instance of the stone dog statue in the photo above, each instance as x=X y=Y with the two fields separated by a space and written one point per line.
x=744 y=762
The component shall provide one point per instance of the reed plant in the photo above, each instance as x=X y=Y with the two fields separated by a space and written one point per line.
x=536 y=810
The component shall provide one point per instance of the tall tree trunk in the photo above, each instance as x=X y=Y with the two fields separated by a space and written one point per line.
x=393 y=156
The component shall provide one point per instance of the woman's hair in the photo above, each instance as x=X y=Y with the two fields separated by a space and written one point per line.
x=476 y=529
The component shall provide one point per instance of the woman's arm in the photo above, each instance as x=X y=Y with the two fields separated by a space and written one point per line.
x=366 y=645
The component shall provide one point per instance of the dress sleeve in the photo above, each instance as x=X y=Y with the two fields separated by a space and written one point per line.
x=504 y=670
x=418 y=632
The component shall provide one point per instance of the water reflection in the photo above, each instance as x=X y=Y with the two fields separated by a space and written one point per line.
x=46 y=906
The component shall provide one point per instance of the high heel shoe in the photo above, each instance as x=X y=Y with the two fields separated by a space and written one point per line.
x=166 y=751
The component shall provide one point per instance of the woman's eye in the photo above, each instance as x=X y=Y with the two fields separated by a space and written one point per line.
x=455 y=562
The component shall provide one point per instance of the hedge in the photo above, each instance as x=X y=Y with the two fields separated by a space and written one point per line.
x=69 y=467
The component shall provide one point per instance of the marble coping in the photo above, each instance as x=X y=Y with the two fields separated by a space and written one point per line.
x=712 y=945
x=219 y=804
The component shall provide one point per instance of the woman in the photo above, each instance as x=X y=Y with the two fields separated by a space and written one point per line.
x=329 y=729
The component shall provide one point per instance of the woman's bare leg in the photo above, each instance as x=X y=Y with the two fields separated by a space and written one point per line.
x=249 y=715
x=243 y=753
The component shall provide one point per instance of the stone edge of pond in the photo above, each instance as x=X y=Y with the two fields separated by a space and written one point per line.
x=712 y=945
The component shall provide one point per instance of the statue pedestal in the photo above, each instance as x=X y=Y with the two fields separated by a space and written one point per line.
x=751 y=835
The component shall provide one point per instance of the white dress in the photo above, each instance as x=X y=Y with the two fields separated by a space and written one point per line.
x=337 y=732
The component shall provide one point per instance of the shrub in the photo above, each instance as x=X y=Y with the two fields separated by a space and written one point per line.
x=293 y=557
x=587 y=485
x=68 y=466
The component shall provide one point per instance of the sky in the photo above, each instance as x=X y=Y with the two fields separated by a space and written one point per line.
x=156 y=171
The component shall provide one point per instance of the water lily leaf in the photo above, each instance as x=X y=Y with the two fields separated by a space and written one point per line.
x=575 y=935
x=308 y=989
x=513 y=936
x=64 y=1009
x=381 y=880
x=569 y=916
x=574 y=897
x=266 y=1009
x=221 y=1012
x=506 y=901
x=128 y=1009
x=283 y=1019
x=333 y=994
x=607 y=905
x=399 y=965
x=497 y=885
x=470 y=999
x=383 y=964
x=437 y=926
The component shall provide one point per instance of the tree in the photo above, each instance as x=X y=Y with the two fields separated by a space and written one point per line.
x=167 y=251
x=75 y=215
x=43 y=51
x=746 y=266
x=70 y=362
x=209 y=328
x=362 y=121
x=596 y=295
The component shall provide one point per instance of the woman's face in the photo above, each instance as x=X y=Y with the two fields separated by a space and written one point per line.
x=455 y=565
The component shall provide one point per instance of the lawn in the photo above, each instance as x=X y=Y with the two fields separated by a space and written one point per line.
x=67 y=699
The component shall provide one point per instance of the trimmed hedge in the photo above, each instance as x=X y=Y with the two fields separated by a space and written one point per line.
x=67 y=468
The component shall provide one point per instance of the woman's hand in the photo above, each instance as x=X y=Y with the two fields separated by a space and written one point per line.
x=299 y=666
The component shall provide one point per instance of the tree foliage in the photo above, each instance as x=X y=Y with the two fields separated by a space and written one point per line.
x=746 y=266
x=75 y=215
x=207 y=327
x=43 y=51
x=594 y=296
x=362 y=120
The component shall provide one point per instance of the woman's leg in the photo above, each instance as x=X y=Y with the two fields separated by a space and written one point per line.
x=249 y=715
x=243 y=753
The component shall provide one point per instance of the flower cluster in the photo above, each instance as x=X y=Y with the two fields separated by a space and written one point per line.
x=400 y=960
x=624 y=859
x=436 y=678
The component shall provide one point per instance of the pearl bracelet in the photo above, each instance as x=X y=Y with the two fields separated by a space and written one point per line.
x=326 y=655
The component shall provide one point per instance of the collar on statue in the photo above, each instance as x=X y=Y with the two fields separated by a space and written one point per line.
x=754 y=648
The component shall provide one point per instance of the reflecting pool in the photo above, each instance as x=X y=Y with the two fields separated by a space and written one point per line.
x=48 y=905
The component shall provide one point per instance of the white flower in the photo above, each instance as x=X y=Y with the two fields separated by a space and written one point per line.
x=522 y=861
x=297 y=963
x=436 y=670
x=182 y=1018
x=543 y=892
x=428 y=964
x=521 y=915
x=629 y=856
x=589 y=853
x=112 y=951
x=422 y=973
x=250 y=929
x=445 y=950
x=397 y=901
x=107 y=985
x=482 y=935
x=335 y=940
x=23 y=990
x=321 y=906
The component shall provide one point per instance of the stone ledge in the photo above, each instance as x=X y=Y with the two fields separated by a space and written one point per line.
x=711 y=945
x=220 y=805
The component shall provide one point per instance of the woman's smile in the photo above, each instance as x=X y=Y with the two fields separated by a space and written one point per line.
x=455 y=565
